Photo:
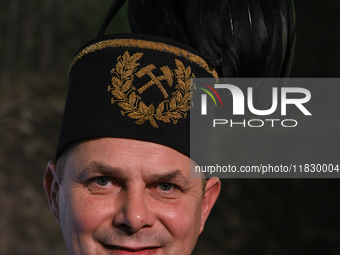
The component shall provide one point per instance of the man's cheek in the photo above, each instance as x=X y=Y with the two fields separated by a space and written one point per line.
x=85 y=213
x=179 y=218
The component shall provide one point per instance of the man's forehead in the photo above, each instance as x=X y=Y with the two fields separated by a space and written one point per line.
x=126 y=153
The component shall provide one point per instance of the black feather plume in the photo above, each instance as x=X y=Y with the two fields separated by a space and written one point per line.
x=239 y=38
x=243 y=38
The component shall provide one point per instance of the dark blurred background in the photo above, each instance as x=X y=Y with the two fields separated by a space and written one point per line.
x=38 y=39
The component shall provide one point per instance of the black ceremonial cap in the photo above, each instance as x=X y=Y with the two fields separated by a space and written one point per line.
x=132 y=86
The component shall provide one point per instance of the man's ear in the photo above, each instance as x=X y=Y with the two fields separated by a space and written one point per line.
x=212 y=190
x=51 y=184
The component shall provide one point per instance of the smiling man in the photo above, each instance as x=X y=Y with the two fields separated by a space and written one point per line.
x=121 y=182
x=121 y=196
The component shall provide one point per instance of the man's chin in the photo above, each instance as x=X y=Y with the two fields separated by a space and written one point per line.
x=136 y=250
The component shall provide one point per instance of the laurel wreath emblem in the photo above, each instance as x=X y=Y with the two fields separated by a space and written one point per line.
x=171 y=109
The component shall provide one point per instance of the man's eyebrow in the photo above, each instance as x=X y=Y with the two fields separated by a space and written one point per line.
x=97 y=167
x=170 y=176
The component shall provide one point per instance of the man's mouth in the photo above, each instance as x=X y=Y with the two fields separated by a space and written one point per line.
x=123 y=250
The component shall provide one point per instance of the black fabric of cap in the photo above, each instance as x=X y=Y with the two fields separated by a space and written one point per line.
x=107 y=71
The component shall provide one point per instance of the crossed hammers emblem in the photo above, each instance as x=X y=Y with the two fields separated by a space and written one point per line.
x=167 y=75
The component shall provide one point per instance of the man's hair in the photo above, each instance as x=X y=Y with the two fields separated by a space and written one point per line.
x=62 y=160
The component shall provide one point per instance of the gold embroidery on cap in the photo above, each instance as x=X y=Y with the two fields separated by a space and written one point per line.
x=142 y=44
x=170 y=109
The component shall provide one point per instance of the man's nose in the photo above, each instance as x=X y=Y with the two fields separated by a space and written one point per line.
x=134 y=212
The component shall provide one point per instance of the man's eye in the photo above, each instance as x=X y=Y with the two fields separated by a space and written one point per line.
x=101 y=180
x=103 y=185
x=166 y=186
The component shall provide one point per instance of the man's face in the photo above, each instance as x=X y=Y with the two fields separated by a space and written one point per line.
x=122 y=196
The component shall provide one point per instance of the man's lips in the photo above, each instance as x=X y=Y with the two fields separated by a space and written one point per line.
x=136 y=250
